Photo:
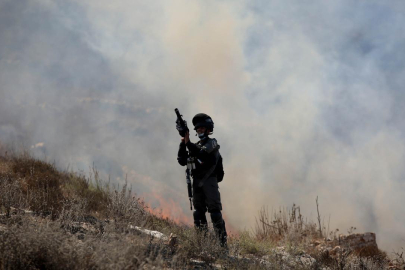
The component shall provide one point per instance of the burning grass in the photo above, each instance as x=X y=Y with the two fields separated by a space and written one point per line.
x=52 y=219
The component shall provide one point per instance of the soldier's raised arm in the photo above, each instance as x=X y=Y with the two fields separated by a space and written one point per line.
x=182 y=154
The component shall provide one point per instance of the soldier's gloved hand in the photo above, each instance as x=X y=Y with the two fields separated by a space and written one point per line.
x=178 y=127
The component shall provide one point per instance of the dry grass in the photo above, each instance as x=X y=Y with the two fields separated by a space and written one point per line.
x=285 y=226
x=52 y=219
x=79 y=222
x=288 y=229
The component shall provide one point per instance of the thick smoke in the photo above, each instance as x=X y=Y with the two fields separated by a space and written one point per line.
x=306 y=99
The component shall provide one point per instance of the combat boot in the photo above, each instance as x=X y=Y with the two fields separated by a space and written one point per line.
x=219 y=227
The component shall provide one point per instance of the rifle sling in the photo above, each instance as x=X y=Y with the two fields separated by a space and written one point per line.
x=210 y=171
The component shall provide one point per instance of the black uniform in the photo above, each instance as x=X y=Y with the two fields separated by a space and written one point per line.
x=206 y=175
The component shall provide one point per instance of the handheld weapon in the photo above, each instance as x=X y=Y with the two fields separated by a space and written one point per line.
x=190 y=191
x=181 y=126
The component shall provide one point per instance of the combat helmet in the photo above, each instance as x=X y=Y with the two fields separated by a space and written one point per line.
x=203 y=120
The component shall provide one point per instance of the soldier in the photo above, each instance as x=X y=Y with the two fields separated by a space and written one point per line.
x=206 y=175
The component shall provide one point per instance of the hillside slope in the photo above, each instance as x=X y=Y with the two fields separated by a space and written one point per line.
x=52 y=219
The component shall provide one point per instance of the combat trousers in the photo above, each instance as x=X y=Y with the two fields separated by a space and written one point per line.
x=208 y=198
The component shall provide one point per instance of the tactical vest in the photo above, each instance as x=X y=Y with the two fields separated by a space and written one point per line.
x=211 y=147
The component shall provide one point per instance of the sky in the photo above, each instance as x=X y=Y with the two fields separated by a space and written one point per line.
x=306 y=96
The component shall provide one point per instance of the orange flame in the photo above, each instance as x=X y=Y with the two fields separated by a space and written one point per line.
x=167 y=208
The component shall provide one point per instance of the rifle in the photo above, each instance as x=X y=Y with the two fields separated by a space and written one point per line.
x=181 y=126
x=189 y=189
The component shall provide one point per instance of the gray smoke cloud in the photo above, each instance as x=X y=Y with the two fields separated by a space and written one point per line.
x=306 y=98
